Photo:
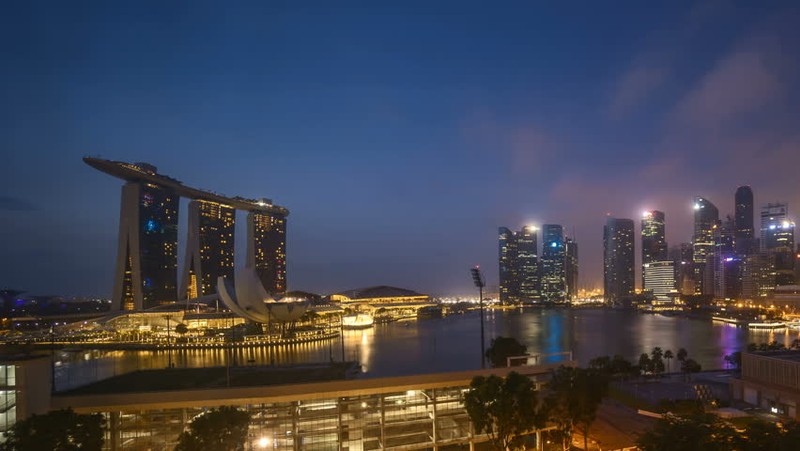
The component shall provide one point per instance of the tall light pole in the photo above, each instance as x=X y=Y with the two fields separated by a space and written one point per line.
x=480 y=282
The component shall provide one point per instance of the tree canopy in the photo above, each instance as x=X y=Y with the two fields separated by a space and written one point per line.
x=502 y=348
x=703 y=431
x=503 y=408
x=576 y=394
x=222 y=429
x=59 y=430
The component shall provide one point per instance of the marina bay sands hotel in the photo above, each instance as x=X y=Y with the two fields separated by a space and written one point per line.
x=147 y=254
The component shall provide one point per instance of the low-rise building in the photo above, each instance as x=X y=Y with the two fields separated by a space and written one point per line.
x=149 y=409
x=770 y=380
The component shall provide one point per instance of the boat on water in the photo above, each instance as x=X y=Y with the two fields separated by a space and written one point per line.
x=762 y=325
x=794 y=324
x=357 y=321
x=733 y=321
x=768 y=325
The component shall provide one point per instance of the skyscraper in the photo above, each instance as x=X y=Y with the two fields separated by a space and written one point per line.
x=743 y=218
x=509 y=275
x=553 y=264
x=571 y=253
x=266 y=249
x=654 y=240
x=528 y=265
x=209 y=248
x=659 y=278
x=758 y=275
x=519 y=265
x=777 y=239
x=777 y=230
x=706 y=218
x=726 y=265
x=684 y=267
x=147 y=254
x=618 y=259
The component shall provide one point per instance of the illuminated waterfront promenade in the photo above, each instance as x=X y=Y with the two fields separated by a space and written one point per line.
x=446 y=344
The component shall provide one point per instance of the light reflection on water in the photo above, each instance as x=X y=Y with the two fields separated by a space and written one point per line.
x=452 y=343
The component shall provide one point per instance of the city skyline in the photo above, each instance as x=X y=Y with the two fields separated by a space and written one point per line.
x=398 y=153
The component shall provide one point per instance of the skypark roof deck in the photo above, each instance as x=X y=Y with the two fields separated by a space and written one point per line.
x=143 y=172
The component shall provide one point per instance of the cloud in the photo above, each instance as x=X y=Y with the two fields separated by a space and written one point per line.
x=525 y=148
x=8 y=203
x=656 y=64
x=635 y=86
x=739 y=83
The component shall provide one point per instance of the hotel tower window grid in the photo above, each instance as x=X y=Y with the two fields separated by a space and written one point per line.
x=147 y=260
x=210 y=247
x=266 y=250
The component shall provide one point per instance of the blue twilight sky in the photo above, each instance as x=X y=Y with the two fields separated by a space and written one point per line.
x=399 y=136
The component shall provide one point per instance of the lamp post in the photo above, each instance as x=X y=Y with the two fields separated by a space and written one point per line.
x=480 y=282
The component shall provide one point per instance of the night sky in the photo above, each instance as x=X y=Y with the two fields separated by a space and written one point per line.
x=399 y=137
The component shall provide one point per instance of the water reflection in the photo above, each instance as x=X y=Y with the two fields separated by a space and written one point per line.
x=451 y=343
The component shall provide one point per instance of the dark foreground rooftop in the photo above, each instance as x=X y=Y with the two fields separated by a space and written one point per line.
x=217 y=377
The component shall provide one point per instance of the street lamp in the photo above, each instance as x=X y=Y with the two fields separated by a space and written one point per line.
x=478 y=280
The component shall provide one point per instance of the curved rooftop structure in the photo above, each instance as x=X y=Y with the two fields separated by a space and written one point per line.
x=145 y=172
x=379 y=291
x=248 y=299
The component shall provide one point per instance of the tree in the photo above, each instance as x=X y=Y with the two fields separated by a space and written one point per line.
x=689 y=366
x=656 y=361
x=311 y=316
x=682 y=355
x=656 y=353
x=622 y=367
x=645 y=364
x=59 y=430
x=181 y=329
x=668 y=357
x=502 y=348
x=698 y=432
x=613 y=367
x=576 y=394
x=222 y=429
x=602 y=363
x=771 y=346
x=760 y=436
x=503 y=408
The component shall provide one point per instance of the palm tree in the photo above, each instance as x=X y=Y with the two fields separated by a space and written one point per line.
x=668 y=356
x=657 y=365
x=644 y=363
x=682 y=354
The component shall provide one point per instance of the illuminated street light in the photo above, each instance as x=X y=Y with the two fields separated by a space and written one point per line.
x=263 y=442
